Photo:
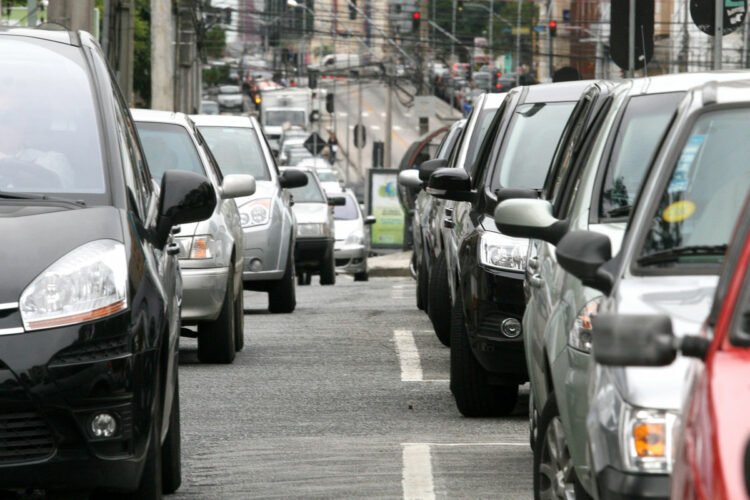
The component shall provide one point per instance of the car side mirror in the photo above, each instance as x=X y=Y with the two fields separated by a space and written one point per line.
x=582 y=254
x=335 y=200
x=451 y=184
x=292 y=178
x=237 y=185
x=185 y=197
x=370 y=220
x=427 y=168
x=633 y=340
x=527 y=218
x=410 y=179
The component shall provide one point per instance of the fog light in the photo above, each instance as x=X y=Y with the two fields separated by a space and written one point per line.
x=511 y=328
x=256 y=265
x=103 y=425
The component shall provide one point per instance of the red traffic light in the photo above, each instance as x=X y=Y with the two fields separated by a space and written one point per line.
x=416 y=15
x=553 y=24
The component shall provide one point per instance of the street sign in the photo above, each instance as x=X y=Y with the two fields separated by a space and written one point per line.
x=424 y=106
x=540 y=28
x=315 y=144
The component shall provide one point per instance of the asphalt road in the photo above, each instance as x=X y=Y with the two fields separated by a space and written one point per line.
x=346 y=397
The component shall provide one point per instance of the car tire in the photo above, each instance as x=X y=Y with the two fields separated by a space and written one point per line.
x=363 y=276
x=423 y=283
x=439 y=301
x=216 y=340
x=282 y=298
x=474 y=395
x=171 y=449
x=328 y=269
x=553 y=477
x=239 y=321
x=304 y=278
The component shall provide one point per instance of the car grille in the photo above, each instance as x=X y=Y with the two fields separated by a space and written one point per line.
x=97 y=350
x=490 y=324
x=24 y=437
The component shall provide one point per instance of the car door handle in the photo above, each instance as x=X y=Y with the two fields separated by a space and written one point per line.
x=449 y=212
x=449 y=224
x=533 y=263
x=173 y=249
x=535 y=280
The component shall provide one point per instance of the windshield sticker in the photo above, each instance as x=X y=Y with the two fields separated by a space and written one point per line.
x=679 y=211
x=680 y=179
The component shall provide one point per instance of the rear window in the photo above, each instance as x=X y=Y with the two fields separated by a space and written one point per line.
x=309 y=193
x=168 y=147
x=237 y=151
x=346 y=212
x=482 y=125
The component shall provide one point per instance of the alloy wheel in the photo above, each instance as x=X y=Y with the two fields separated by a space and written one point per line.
x=556 y=473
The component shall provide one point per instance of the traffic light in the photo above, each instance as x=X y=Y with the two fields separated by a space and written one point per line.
x=460 y=5
x=415 y=18
x=352 y=9
x=552 y=28
x=330 y=103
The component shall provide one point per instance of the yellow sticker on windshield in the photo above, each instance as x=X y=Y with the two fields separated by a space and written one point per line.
x=679 y=211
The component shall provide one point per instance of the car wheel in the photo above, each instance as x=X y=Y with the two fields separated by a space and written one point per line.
x=216 y=340
x=304 y=278
x=422 y=285
x=554 y=474
x=439 y=301
x=239 y=321
x=282 y=298
x=363 y=276
x=533 y=421
x=474 y=395
x=171 y=449
x=328 y=269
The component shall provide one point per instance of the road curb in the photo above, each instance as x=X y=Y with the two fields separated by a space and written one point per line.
x=388 y=272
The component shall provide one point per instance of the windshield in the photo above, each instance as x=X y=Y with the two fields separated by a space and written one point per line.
x=482 y=125
x=348 y=211
x=530 y=142
x=237 y=151
x=697 y=212
x=297 y=155
x=638 y=136
x=209 y=108
x=278 y=117
x=309 y=193
x=229 y=89
x=168 y=147
x=49 y=134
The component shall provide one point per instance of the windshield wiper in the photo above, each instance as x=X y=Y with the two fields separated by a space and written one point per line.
x=620 y=211
x=674 y=254
x=5 y=195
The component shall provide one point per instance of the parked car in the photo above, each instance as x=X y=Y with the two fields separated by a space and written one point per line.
x=329 y=179
x=314 y=253
x=314 y=163
x=268 y=224
x=597 y=194
x=351 y=245
x=290 y=143
x=210 y=251
x=485 y=268
x=209 y=107
x=295 y=155
x=230 y=98
x=91 y=288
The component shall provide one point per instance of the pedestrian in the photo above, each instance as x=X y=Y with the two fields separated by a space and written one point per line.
x=333 y=146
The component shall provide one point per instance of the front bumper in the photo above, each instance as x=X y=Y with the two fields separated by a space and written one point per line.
x=617 y=485
x=203 y=292
x=350 y=259
x=263 y=246
x=52 y=382
x=310 y=252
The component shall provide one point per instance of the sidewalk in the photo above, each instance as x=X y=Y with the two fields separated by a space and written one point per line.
x=393 y=264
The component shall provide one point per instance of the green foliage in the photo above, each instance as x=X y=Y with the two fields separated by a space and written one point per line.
x=215 y=75
x=142 y=52
x=215 y=42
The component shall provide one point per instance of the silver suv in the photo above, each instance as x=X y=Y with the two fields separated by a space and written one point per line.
x=268 y=225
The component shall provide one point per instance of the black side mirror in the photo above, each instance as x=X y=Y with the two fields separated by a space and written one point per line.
x=292 y=178
x=633 y=340
x=582 y=254
x=503 y=194
x=427 y=168
x=370 y=220
x=185 y=197
x=451 y=184
x=335 y=200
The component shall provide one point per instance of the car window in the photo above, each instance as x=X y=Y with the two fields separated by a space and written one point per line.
x=643 y=125
x=698 y=209
x=237 y=151
x=277 y=117
x=346 y=212
x=327 y=176
x=168 y=147
x=484 y=120
x=529 y=144
x=49 y=127
x=309 y=193
x=449 y=141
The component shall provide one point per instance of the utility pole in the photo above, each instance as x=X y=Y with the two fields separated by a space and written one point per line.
x=73 y=14
x=518 y=43
x=719 y=33
x=453 y=33
x=492 y=22
x=388 y=120
x=162 y=55
x=631 y=39
x=359 y=127
x=31 y=17
x=348 y=110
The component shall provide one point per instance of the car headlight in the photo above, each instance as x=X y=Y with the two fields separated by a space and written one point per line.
x=196 y=247
x=255 y=213
x=355 y=238
x=579 y=337
x=498 y=251
x=648 y=440
x=310 y=230
x=90 y=282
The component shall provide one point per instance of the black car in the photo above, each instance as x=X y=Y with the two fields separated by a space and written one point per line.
x=90 y=295
x=486 y=269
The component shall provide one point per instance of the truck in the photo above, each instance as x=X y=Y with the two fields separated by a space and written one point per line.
x=279 y=107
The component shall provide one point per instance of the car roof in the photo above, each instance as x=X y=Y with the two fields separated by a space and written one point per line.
x=492 y=101
x=222 y=121
x=724 y=92
x=155 y=116
x=59 y=36
x=684 y=81
x=556 y=92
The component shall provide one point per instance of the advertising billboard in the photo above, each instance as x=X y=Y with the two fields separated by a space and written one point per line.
x=383 y=203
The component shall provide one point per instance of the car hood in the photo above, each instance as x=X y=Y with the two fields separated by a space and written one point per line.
x=687 y=300
x=310 y=212
x=43 y=234
x=263 y=189
x=346 y=227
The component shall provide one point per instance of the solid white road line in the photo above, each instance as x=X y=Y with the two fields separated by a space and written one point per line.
x=416 y=479
x=408 y=356
x=474 y=444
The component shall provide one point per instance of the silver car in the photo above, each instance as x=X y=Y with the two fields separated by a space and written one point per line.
x=351 y=247
x=268 y=225
x=210 y=251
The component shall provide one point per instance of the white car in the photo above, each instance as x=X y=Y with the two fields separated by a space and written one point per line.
x=315 y=163
x=329 y=179
x=351 y=247
x=230 y=98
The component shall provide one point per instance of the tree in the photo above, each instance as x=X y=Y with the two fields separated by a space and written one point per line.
x=215 y=42
x=142 y=52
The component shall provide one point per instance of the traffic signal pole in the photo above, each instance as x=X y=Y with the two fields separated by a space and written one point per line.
x=719 y=33
x=631 y=39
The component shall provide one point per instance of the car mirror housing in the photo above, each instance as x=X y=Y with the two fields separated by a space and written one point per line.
x=185 y=197
x=237 y=185
x=410 y=179
x=582 y=254
x=335 y=200
x=292 y=178
x=633 y=340
x=529 y=218
x=427 y=168
x=451 y=184
x=370 y=220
